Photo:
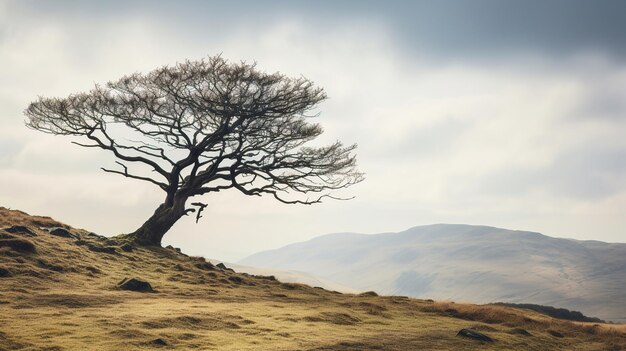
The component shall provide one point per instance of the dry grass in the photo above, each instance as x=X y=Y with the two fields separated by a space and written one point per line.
x=62 y=296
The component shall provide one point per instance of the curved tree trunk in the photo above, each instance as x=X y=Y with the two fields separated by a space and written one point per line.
x=153 y=230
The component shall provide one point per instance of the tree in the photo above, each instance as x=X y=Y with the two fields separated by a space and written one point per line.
x=205 y=126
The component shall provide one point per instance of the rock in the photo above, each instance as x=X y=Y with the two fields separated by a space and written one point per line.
x=207 y=266
x=473 y=334
x=223 y=267
x=235 y=279
x=58 y=231
x=19 y=229
x=127 y=247
x=18 y=245
x=134 y=284
x=103 y=249
x=555 y=333
x=5 y=272
x=158 y=342
x=520 y=331
x=368 y=293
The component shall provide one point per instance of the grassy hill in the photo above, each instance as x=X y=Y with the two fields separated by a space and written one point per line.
x=59 y=291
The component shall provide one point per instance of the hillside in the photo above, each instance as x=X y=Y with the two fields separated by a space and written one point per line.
x=468 y=263
x=288 y=276
x=59 y=291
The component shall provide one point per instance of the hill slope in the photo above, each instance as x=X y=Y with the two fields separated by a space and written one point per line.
x=468 y=263
x=58 y=291
x=287 y=276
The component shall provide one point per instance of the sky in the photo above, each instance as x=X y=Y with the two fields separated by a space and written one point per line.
x=502 y=113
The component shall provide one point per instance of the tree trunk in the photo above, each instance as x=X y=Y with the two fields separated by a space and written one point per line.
x=153 y=230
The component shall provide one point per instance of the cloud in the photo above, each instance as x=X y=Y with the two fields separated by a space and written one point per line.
x=602 y=99
x=579 y=174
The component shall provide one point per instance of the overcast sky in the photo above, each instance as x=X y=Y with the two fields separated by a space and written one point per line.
x=502 y=113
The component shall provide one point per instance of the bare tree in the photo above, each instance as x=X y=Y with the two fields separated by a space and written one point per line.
x=205 y=126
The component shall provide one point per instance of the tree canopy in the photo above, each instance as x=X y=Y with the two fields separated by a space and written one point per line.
x=205 y=126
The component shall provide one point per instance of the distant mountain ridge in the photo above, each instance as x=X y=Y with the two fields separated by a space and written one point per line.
x=463 y=262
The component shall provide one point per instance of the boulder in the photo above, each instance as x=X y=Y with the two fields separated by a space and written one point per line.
x=134 y=284
x=19 y=229
x=96 y=247
x=223 y=267
x=473 y=334
x=207 y=266
x=103 y=249
x=62 y=232
x=127 y=247
x=235 y=279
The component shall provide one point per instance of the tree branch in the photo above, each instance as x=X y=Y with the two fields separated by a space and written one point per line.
x=128 y=175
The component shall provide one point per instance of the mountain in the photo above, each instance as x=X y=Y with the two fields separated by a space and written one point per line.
x=467 y=263
x=63 y=288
